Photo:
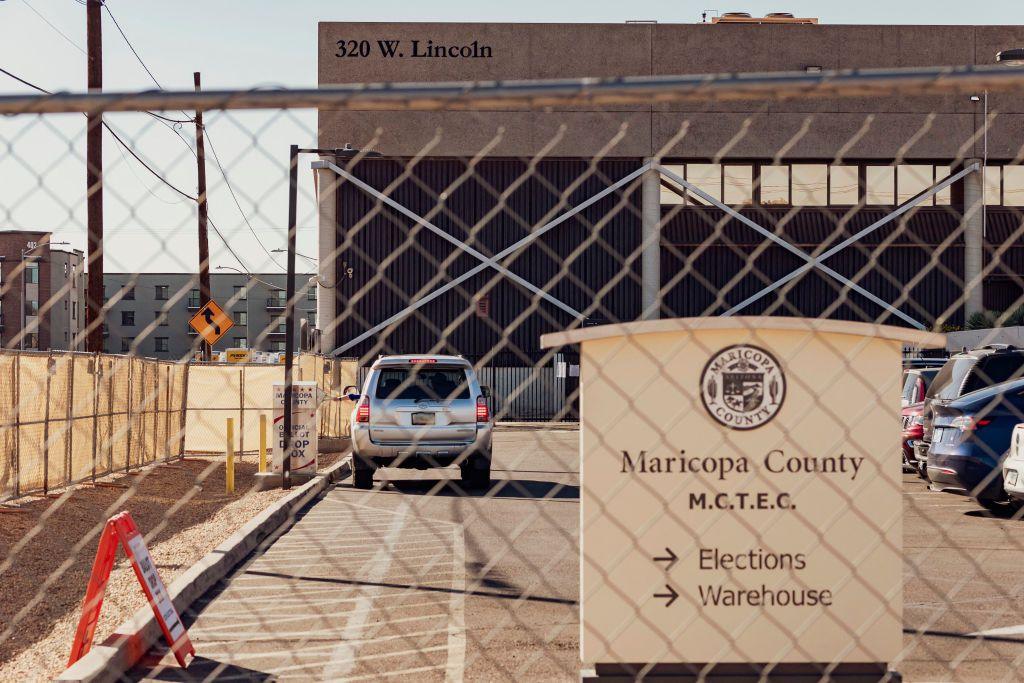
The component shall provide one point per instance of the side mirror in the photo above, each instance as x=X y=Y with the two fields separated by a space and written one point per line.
x=485 y=392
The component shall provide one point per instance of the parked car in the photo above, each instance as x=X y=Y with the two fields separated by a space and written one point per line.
x=915 y=384
x=913 y=427
x=971 y=438
x=963 y=373
x=422 y=412
x=1013 y=467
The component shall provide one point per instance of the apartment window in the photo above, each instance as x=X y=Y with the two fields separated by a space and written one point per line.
x=129 y=293
x=74 y=310
x=32 y=340
x=128 y=318
x=673 y=193
x=193 y=298
x=843 y=185
x=160 y=317
x=774 y=185
x=32 y=274
x=281 y=328
x=161 y=344
x=241 y=343
x=277 y=298
x=881 y=185
x=810 y=182
x=912 y=180
x=311 y=317
x=31 y=307
x=65 y=271
x=161 y=292
x=241 y=318
x=240 y=293
x=993 y=185
x=277 y=346
x=311 y=292
x=1013 y=185
x=126 y=344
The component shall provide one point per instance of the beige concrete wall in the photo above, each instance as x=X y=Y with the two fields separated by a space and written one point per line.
x=528 y=51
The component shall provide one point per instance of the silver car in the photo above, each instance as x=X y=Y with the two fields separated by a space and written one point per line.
x=422 y=412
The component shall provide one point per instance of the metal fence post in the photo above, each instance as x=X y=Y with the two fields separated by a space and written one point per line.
x=96 y=370
x=131 y=401
x=70 y=431
x=46 y=426
x=241 y=412
x=155 y=403
x=167 y=414
x=110 y=417
x=183 y=420
x=16 y=391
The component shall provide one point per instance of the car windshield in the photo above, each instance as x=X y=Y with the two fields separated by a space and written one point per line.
x=909 y=384
x=417 y=383
x=947 y=383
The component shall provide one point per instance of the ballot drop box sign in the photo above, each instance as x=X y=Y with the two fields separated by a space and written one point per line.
x=305 y=404
x=740 y=492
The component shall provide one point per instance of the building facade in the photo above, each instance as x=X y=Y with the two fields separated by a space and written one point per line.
x=41 y=292
x=148 y=313
x=813 y=171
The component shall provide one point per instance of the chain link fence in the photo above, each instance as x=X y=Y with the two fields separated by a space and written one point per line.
x=600 y=544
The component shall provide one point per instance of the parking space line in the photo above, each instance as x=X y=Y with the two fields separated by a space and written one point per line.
x=456 y=667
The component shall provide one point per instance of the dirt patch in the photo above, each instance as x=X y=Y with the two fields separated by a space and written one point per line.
x=47 y=552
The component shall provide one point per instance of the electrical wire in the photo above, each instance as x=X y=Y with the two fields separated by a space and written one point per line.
x=48 y=23
x=166 y=182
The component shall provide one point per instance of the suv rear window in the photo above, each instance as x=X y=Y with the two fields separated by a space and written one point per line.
x=947 y=383
x=994 y=369
x=422 y=383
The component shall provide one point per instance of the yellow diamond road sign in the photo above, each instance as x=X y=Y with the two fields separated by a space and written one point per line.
x=211 y=322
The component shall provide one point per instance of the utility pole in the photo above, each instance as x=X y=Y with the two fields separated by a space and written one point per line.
x=204 y=241
x=94 y=178
x=289 y=321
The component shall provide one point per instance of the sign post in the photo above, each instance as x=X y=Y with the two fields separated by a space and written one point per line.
x=305 y=429
x=741 y=506
x=121 y=529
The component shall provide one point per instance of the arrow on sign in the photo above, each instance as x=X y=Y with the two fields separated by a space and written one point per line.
x=671 y=595
x=670 y=559
x=208 y=314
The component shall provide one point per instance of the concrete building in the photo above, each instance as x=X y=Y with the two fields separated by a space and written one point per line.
x=41 y=292
x=811 y=170
x=148 y=313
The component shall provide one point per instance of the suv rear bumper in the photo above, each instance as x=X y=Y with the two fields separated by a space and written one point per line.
x=421 y=455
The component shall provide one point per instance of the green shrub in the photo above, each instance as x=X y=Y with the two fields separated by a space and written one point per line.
x=981 y=320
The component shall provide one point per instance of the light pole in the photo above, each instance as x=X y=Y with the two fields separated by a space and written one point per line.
x=25 y=252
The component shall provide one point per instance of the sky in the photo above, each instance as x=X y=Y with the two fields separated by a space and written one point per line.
x=239 y=44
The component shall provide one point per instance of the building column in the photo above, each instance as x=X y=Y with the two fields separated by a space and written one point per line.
x=974 y=239
x=327 y=296
x=650 y=245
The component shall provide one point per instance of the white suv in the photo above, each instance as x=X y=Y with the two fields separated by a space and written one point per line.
x=422 y=412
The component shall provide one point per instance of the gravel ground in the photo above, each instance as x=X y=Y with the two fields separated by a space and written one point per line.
x=47 y=552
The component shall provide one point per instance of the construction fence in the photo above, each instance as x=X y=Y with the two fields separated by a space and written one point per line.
x=74 y=417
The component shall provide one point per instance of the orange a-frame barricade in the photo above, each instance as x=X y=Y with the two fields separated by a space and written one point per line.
x=121 y=528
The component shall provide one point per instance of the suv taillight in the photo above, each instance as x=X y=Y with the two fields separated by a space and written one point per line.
x=363 y=411
x=482 y=413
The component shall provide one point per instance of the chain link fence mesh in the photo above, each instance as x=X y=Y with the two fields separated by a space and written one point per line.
x=480 y=254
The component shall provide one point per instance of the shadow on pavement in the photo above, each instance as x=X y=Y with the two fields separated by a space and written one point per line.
x=203 y=669
x=498 y=488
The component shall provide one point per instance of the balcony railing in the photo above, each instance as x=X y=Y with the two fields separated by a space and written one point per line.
x=276 y=302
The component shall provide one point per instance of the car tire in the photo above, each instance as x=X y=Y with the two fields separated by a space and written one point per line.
x=476 y=471
x=362 y=473
x=999 y=508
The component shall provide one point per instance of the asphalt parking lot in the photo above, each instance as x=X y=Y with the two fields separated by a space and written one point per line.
x=417 y=579
x=964 y=571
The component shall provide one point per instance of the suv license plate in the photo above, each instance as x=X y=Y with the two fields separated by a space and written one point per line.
x=1011 y=477
x=423 y=418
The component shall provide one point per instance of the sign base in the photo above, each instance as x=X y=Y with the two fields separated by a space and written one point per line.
x=742 y=673
x=272 y=480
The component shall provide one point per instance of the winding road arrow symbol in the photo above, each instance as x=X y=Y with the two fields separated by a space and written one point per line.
x=671 y=595
x=670 y=559
x=208 y=315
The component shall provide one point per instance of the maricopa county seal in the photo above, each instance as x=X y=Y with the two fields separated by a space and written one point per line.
x=742 y=386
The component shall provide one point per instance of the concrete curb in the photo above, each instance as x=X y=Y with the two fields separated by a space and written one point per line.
x=109 y=660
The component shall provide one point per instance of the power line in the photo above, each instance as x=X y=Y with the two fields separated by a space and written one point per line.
x=48 y=23
x=245 y=218
x=166 y=182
